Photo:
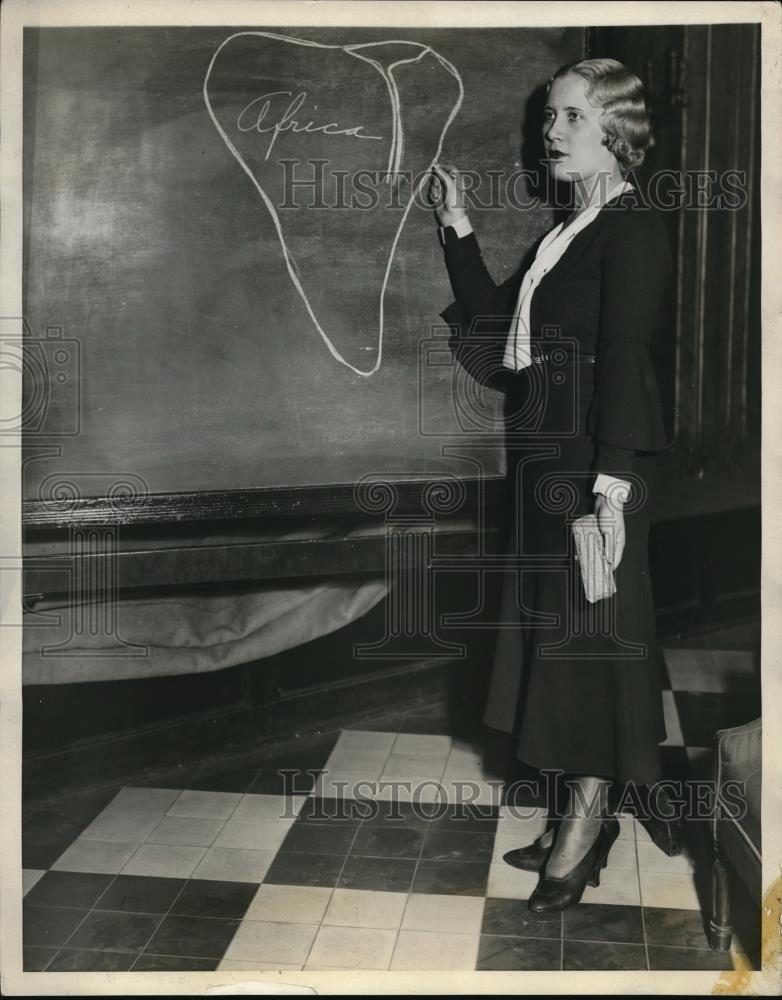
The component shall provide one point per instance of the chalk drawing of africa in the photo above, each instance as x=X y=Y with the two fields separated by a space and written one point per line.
x=337 y=141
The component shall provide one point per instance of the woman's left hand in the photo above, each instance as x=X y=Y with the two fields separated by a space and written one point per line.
x=611 y=521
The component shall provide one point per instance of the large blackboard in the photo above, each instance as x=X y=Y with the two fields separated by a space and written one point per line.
x=207 y=342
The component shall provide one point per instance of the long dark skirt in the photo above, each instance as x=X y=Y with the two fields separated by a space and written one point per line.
x=590 y=699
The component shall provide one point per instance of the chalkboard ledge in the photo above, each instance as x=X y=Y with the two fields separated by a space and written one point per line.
x=388 y=499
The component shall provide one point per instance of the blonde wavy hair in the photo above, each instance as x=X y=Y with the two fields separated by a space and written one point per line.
x=625 y=117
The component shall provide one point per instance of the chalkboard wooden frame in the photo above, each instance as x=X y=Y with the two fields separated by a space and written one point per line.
x=225 y=538
x=237 y=505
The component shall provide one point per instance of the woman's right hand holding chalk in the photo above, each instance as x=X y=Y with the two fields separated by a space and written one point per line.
x=446 y=194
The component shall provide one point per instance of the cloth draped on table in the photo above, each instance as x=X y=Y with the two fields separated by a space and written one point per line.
x=195 y=630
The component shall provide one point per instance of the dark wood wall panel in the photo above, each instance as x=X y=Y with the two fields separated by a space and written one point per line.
x=703 y=85
x=724 y=374
x=745 y=141
x=692 y=250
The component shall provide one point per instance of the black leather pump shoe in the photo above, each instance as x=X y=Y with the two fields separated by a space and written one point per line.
x=532 y=858
x=553 y=894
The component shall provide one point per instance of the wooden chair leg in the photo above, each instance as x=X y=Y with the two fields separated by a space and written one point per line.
x=720 y=930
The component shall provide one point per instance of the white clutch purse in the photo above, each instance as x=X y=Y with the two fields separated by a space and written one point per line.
x=596 y=574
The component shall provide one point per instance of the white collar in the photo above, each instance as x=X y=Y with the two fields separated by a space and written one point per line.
x=586 y=216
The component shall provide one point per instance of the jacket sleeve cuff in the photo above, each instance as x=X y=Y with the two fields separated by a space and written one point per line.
x=609 y=486
x=462 y=227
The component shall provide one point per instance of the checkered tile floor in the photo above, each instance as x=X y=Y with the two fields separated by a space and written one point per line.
x=231 y=867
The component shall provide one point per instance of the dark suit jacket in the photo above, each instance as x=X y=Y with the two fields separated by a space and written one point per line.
x=610 y=292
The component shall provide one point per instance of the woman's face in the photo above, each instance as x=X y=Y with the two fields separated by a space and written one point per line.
x=572 y=134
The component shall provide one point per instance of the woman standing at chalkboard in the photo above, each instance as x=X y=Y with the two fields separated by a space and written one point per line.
x=590 y=703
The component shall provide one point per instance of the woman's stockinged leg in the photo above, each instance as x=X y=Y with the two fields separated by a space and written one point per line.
x=579 y=828
x=581 y=848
